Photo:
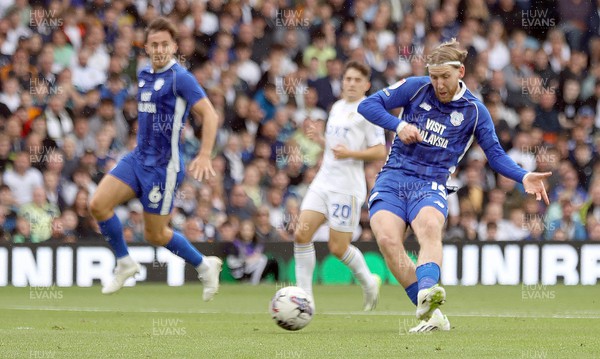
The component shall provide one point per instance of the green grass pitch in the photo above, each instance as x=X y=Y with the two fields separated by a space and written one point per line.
x=157 y=321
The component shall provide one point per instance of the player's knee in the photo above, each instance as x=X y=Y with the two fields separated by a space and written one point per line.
x=301 y=235
x=156 y=238
x=98 y=210
x=386 y=241
x=429 y=228
x=336 y=248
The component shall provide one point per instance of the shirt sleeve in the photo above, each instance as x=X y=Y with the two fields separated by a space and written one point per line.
x=187 y=87
x=498 y=159
x=375 y=107
x=374 y=134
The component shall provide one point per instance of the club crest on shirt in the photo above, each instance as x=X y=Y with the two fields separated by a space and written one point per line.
x=159 y=84
x=456 y=118
x=425 y=106
x=141 y=83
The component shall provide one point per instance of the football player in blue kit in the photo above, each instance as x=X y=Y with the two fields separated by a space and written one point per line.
x=439 y=120
x=167 y=93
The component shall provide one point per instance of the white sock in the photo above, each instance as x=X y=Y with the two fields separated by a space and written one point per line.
x=203 y=266
x=305 y=257
x=355 y=260
x=126 y=261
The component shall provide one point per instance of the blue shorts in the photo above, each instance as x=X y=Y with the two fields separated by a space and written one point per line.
x=405 y=195
x=154 y=186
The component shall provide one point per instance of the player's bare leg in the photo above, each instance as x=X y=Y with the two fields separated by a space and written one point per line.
x=389 y=231
x=304 y=251
x=339 y=246
x=428 y=226
x=110 y=193
x=157 y=232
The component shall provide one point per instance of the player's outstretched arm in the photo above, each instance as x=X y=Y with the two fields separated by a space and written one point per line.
x=201 y=166
x=502 y=163
x=372 y=153
x=534 y=184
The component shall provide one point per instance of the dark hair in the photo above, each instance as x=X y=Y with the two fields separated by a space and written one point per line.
x=360 y=67
x=161 y=24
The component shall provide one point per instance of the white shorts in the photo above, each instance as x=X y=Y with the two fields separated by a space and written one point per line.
x=342 y=210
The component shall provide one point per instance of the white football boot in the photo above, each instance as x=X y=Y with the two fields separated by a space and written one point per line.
x=429 y=300
x=126 y=268
x=210 y=277
x=371 y=295
x=438 y=321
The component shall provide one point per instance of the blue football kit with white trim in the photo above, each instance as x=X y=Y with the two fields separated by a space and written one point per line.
x=414 y=175
x=154 y=169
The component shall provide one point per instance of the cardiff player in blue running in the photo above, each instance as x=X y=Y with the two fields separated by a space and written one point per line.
x=439 y=120
x=154 y=169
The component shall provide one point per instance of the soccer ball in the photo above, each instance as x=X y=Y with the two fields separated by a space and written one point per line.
x=291 y=308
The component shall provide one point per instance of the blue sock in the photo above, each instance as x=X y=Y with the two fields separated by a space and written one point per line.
x=412 y=291
x=428 y=275
x=180 y=246
x=113 y=231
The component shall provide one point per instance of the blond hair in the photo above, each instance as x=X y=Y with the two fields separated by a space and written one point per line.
x=447 y=53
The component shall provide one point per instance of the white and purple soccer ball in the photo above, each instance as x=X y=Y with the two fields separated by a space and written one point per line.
x=291 y=308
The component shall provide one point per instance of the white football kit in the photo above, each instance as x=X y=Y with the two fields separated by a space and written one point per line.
x=339 y=188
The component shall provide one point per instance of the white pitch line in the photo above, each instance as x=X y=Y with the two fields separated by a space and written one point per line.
x=591 y=315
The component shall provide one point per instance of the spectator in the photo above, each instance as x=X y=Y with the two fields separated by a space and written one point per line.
x=59 y=119
x=40 y=215
x=6 y=159
x=265 y=231
x=85 y=76
x=494 y=214
x=22 y=178
x=329 y=87
x=244 y=255
x=86 y=229
x=10 y=93
x=240 y=205
x=569 y=226
x=319 y=50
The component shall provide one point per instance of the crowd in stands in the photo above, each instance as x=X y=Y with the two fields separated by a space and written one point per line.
x=272 y=69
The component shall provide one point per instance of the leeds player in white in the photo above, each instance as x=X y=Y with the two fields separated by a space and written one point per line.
x=339 y=188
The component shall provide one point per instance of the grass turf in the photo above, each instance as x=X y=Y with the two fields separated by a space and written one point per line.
x=156 y=321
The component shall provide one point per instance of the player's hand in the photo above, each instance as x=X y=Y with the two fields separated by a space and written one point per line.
x=201 y=167
x=313 y=133
x=534 y=184
x=410 y=134
x=341 y=152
